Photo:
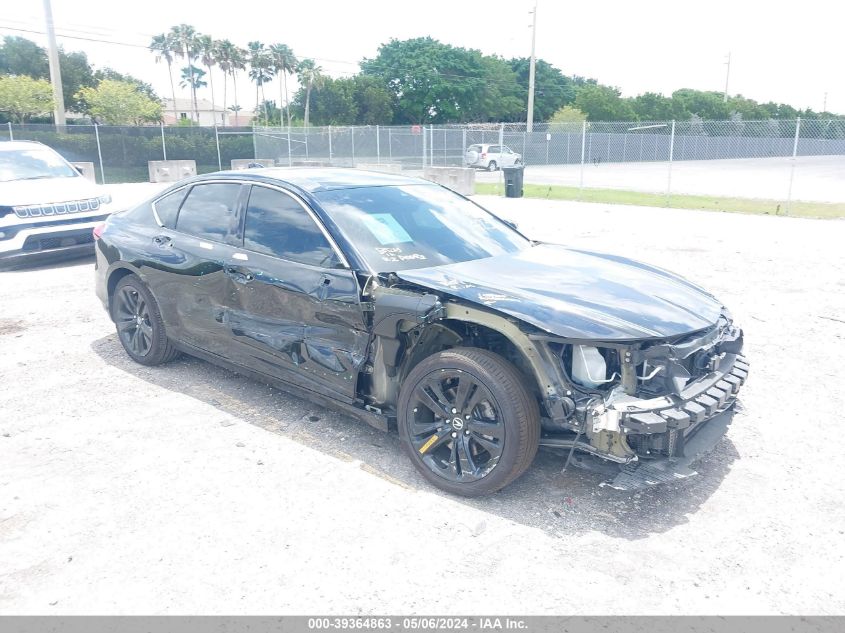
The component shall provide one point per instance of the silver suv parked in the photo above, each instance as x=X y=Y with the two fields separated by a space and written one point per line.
x=491 y=157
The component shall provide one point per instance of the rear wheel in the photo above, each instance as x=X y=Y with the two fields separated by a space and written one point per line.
x=468 y=421
x=140 y=327
x=492 y=166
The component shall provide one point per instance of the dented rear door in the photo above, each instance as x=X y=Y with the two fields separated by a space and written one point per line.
x=296 y=315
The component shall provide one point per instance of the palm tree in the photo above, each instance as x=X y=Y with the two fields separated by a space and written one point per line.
x=284 y=62
x=224 y=52
x=310 y=75
x=184 y=38
x=192 y=77
x=162 y=47
x=237 y=62
x=208 y=55
x=260 y=71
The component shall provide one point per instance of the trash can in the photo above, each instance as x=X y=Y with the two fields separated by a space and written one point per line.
x=513 y=181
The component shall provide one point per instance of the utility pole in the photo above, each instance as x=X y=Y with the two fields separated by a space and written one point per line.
x=727 y=76
x=824 y=103
x=55 y=70
x=530 y=120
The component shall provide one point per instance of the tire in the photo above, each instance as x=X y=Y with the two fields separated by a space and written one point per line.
x=492 y=166
x=468 y=421
x=140 y=327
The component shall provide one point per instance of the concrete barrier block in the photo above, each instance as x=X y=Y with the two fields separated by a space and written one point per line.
x=458 y=179
x=244 y=163
x=387 y=168
x=171 y=170
x=87 y=170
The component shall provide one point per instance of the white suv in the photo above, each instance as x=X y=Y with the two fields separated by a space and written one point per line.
x=491 y=157
x=46 y=206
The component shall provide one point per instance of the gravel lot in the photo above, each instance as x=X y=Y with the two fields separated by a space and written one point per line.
x=187 y=489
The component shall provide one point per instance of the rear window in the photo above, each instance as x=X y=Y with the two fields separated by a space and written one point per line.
x=474 y=148
x=167 y=208
x=209 y=212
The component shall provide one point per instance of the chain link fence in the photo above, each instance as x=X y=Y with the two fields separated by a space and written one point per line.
x=776 y=159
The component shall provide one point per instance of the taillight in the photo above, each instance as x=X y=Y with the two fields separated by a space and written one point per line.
x=484 y=155
x=98 y=230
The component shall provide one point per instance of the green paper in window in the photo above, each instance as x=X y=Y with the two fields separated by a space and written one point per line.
x=385 y=228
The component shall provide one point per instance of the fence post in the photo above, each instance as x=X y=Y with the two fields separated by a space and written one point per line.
x=11 y=136
x=290 y=158
x=792 y=169
x=163 y=145
x=100 y=153
x=378 y=148
x=217 y=143
x=390 y=143
x=671 y=155
x=463 y=145
x=352 y=139
x=431 y=146
x=330 y=145
x=501 y=145
x=306 y=142
x=583 y=147
x=425 y=149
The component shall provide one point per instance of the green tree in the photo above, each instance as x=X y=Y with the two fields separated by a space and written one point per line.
x=552 y=89
x=22 y=97
x=20 y=56
x=372 y=100
x=192 y=77
x=184 y=44
x=603 y=103
x=260 y=71
x=651 y=106
x=207 y=49
x=706 y=104
x=435 y=82
x=284 y=63
x=310 y=75
x=110 y=73
x=162 y=46
x=119 y=103
x=568 y=114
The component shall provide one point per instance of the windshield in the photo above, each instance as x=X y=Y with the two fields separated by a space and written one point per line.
x=415 y=226
x=31 y=164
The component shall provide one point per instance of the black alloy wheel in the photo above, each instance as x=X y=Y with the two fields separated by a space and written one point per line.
x=468 y=421
x=140 y=327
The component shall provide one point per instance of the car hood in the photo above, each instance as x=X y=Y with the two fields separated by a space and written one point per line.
x=577 y=294
x=47 y=190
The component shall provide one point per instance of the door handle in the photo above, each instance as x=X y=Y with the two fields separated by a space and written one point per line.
x=240 y=275
x=163 y=241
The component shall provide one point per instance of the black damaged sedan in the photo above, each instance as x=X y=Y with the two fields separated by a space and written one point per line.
x=413 y=308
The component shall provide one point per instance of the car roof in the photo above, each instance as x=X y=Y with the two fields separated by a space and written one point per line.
x=316 y=179
x=9 y=146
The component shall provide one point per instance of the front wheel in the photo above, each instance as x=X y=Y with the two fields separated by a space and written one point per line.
x=492 y=166
x=140 y=327
x=468 y=421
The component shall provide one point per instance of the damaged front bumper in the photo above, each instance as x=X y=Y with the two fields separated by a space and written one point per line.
x=658 y=418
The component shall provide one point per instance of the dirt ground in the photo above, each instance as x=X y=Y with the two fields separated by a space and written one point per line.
x=187 y=489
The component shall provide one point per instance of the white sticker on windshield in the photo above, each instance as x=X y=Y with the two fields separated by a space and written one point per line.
x=385 y=228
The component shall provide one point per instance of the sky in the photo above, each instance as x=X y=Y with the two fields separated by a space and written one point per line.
x=791 y=54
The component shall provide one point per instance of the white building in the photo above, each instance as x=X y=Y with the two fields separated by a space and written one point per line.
x=209 y=114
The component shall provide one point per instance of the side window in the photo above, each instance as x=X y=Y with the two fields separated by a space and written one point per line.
x=167 y=207
x=277 y=225
x=507 y=150
x=209 y=212
x=494 y=149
